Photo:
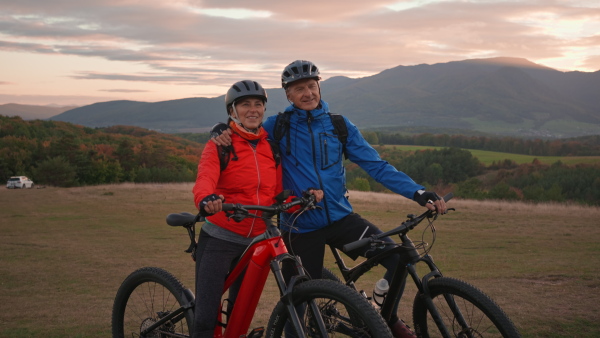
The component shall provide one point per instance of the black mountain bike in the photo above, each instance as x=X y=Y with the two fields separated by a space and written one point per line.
x=443 y=306
x=151 y=302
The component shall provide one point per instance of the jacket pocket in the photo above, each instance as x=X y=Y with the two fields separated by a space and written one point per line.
x=331 y=150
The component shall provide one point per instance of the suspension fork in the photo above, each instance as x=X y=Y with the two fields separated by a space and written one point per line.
x=286 y=291
x=425 y=294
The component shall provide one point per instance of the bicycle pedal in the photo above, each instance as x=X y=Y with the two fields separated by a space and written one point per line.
x=256 y=333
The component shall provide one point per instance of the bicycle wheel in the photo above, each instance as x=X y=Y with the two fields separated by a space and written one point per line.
x=482 y=316
x=344 y=311
x=147 y=295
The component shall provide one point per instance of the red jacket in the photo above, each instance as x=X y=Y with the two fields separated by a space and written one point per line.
x=252 y=179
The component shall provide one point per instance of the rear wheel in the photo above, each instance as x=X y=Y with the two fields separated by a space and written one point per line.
x=453 y=299
x=344 y=312
x=148 y=295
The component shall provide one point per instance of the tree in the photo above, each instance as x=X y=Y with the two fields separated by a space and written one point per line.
x=56 y=171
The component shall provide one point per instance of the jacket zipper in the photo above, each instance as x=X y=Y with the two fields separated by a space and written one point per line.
x=314 y=153
x=326 y=152
x=257 y=187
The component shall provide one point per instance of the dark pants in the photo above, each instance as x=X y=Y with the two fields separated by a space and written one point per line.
x=214 y=259
x=310 y=247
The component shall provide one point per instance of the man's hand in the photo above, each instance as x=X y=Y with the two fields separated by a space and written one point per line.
x=221 y=134
x=431 y=200
x=318 y=194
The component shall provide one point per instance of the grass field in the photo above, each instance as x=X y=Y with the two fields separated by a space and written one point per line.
x=64 y=253
x=488 y=157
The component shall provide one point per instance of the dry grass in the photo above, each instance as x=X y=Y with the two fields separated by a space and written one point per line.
x=64 y=253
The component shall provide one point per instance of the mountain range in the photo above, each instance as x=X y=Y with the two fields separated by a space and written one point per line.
x=32 y=112
x=509 y=96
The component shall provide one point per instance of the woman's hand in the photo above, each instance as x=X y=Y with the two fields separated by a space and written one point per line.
x=211 y=204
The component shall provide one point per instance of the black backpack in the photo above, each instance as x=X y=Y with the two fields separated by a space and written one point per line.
x=225 y=154
x=282 y=127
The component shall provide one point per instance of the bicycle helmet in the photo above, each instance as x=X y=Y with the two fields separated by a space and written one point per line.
x=242 y=89
x=297 y=70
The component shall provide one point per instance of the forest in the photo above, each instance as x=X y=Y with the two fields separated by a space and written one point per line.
x=63 y=154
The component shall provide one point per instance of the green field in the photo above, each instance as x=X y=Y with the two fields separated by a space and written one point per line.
x=64 y=253
x=488 y=157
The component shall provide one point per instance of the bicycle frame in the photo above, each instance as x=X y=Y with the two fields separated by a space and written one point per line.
x=410 y=257
x=259 y=259
x=266 y=253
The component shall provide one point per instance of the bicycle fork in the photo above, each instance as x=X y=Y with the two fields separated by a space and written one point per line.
x=425 y=294
x=286 y=291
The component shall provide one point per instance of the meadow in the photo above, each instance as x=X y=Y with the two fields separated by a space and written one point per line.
x=65 y=251
x=488 y=157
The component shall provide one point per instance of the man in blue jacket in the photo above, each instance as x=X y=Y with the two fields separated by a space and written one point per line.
x=312 y=156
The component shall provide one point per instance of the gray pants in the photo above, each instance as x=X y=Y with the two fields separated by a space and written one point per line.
x=214 y=259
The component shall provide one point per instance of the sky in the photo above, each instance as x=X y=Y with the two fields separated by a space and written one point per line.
x=78 y=52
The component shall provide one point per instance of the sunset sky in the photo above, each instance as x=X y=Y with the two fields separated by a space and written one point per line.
x=85 y=51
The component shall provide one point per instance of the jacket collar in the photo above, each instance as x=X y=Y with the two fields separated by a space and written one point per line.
x=323 y=108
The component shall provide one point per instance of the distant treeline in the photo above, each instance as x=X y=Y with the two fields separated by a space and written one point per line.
x=581 y=146
x=63 y=154
x=457 y=170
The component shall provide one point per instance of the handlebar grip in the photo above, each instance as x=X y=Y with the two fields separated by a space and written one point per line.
x=228 y=206
x=448 y=197
x=355 y=245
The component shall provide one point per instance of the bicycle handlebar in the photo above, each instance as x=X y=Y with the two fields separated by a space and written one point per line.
x=307 y=202
x=405 y=227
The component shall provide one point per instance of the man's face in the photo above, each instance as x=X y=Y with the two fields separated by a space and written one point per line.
x=304 y=94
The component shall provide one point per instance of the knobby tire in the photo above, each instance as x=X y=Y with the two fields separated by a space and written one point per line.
x=484 y=317
x=146 y=295
x=344 y=311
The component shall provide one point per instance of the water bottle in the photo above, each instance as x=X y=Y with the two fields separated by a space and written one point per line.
x=380 y=291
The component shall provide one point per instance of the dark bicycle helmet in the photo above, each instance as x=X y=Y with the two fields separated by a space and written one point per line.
x=297 y=70
x=242 y=89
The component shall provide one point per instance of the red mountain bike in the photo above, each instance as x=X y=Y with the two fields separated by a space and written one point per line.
x=151 y=302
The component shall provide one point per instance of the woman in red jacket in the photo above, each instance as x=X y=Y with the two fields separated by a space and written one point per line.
x=251 y=177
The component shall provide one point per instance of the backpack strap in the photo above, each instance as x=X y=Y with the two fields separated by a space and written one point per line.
x=276 y=152
x=225 y=155
x=340 y=129
x=282 y=127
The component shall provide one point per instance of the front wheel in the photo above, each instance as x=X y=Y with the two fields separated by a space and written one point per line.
x=344 y=311
x=148 y=295
x=464 y=310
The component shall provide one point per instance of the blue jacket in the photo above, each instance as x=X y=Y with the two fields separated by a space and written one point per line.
x=316 y=161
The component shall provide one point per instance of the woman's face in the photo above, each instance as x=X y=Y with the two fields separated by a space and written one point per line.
x=250 y=111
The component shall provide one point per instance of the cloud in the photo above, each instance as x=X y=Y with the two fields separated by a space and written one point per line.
x=189 y=42
x=592 y=62
x=124 y=90
x=132 y=77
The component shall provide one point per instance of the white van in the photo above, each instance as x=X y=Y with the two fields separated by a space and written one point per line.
x=20 y=182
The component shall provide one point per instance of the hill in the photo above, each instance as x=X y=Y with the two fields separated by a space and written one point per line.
x=32 y=112
x=509 y=96
x=64 y=154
